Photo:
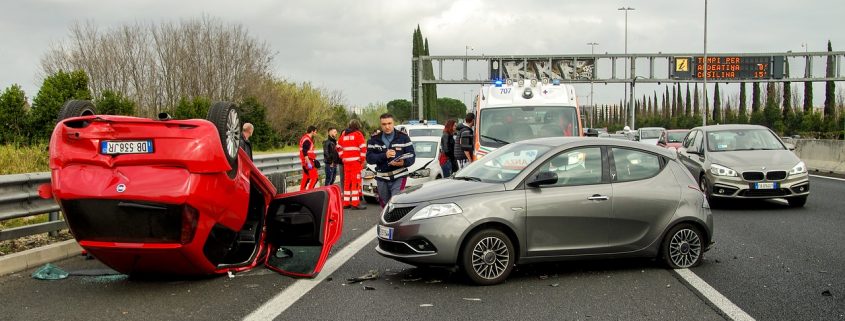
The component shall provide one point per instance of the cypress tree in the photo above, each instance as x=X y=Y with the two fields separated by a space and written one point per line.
x=743 y=106
x=717 y=106
x=808 y=97
x=755 y=98
x=696 y=108
x=688 y=110
x=830 y=91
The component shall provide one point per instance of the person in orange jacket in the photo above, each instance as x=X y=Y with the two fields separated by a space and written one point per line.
x=352 y=149
x=308 y=158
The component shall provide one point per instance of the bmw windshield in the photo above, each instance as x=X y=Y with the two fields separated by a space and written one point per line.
x=742 y=139
x=503 y=164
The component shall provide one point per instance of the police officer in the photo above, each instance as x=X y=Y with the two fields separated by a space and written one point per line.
x=392 y=152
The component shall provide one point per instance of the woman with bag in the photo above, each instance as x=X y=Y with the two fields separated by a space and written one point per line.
x=447 y=147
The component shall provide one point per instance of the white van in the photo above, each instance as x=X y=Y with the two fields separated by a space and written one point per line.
x=508 y=112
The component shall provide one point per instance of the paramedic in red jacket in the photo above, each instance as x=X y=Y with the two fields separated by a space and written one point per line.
x=308 y=158
x=352 y=149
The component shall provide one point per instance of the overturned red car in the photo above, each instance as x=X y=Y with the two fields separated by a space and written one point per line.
x=163 y=196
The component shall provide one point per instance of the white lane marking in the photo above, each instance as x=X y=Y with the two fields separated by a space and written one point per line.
x=282 y=301
x=828 y=177
x=727 y=307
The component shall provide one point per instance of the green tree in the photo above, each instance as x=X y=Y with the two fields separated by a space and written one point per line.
x=771 y=112
x=13 y=108
x=401 y=109
x=449 y=108
x=196 y=107
x=264 y=137
x=717 y=106
x=755 y=97
x=55 y=91
x=830 y=93
x=114 y=103
x=696 y=108
x=688 y=105
x=808 y=97
x=742 y=118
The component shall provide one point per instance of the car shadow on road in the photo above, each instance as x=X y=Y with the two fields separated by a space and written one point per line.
x=752 y=205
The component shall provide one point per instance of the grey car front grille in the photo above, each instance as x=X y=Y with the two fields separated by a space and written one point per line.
x=397 y=214
x=776 y=175
x=753 y=176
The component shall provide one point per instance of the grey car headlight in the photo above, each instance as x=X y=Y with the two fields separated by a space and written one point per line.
x=425 y=172
x=720 y=170
x=799 y=168
x=436 y=210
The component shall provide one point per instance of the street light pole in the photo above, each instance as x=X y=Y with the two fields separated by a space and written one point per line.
x=592 y=52
x=704 y=110
x=626 y=9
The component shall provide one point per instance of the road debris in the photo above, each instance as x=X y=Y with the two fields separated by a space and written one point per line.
x=826 y=293
x=49 y=272
x=426 y=305
x=554 y=285
x=368 y=288
x=472 y=299
x=372 y=275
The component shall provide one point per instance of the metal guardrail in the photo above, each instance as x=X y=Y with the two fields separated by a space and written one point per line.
x=19 y=194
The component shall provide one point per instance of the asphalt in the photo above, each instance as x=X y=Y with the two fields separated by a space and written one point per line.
x=774 y=262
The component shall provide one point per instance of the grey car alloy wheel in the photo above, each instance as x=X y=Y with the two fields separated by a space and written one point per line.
x=685 y=248
x=488 y=257
x=233 y=132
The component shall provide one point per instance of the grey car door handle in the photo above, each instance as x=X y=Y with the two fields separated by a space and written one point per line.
x=598 y=197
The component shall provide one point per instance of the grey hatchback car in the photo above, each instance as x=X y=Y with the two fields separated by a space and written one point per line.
x=744 y=161
x=551 y=199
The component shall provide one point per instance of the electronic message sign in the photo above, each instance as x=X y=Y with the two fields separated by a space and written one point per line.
x=727 y=67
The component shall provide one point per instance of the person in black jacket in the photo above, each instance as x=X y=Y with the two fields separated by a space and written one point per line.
x=392 y=152
x=447 y=148
x=463 y=142
x=245 y=135
x=330 y=156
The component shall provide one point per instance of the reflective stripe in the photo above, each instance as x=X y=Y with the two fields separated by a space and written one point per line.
x=351 y=159
x=375 y=146
x=351 y=148
x=356 y=198
x=363 y=146
x=402 y=145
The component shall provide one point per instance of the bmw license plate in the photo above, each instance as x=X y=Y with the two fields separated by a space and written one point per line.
x=385 y=232
x=126 y=147
x=765 y=185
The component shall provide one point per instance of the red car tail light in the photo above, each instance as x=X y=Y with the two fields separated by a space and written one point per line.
x=190 y=216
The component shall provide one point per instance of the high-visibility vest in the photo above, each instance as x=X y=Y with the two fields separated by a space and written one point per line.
x=351 y=147
x=311 y=155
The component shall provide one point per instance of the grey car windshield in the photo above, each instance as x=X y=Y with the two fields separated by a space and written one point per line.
x=425 y=149
x=503 y=164
x=677 y=137
x=425 y=132
x=500 y=126
x=650 y=133
x=742 y=139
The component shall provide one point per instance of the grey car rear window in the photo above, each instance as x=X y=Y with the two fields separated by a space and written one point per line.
x=632 y=165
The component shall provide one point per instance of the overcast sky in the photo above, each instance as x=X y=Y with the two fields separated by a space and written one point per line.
x=363 y=48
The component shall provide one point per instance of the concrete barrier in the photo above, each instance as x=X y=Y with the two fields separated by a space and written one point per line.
x=822 y=155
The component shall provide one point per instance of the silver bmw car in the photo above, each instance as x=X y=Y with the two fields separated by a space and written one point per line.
x=551 y=199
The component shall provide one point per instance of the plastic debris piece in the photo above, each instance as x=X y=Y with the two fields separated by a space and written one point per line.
x=668 y=285
x=231 y=275
x=369 y=288
x=472 y=299
x=49 y=272
x=433 y=281
x=372 y=275
x=826 y=293
x=554 y=285
x=426 y=305
x=412 y=280
x=543 y=277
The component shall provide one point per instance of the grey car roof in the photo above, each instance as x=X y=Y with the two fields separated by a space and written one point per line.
x=710 y=128
x=555 y=142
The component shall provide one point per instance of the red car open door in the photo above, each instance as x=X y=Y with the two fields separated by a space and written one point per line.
x=302 y=227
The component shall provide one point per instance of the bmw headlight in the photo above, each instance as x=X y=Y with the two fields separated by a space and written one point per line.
x=799 y=168
x=425 y=172
x=437 y=210
x=720 y=170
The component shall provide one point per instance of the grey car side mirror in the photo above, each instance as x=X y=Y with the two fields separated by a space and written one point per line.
x=543 y=178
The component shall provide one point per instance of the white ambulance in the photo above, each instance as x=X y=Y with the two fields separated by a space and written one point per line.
x=511 y=111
